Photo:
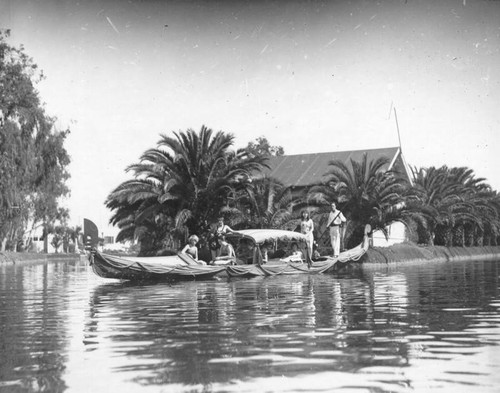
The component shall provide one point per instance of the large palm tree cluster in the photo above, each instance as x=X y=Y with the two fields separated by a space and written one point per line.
x=190 y=178
x=459 y=209
x=180 y=187
x=265 y=203
x=442 y=206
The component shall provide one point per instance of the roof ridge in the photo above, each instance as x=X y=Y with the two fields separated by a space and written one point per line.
x=337 y=151
x=299 y=170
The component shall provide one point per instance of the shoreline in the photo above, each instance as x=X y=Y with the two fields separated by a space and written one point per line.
x=375 y=256
x=412 y=253
x=13 y=258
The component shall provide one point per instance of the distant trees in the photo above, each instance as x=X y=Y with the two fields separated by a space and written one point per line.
x=262 y=147
x=33 y=160
x=180 y=187
x=66 y=237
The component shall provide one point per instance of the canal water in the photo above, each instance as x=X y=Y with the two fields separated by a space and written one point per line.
x=420 y=328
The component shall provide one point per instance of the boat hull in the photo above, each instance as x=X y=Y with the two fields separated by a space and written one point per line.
x=182 y=267
x=123 y=269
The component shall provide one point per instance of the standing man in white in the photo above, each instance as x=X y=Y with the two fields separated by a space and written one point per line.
x=335 y=220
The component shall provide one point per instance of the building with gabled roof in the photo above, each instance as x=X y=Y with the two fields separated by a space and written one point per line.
x=299 y=171
x=302 y=170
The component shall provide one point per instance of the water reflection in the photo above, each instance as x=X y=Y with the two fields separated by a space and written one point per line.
x=33 y=335
x=218 y=331
x=415 y=328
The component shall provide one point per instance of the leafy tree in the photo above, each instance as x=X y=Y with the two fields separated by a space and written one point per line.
x=262 y=147
x=73 y=235
x=58 y=237
x=33 y=160
x=179 y=187
x=64 y=235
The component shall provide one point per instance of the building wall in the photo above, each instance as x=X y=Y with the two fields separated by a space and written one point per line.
x=36 y=244
x=397 y=234
x=298 y=171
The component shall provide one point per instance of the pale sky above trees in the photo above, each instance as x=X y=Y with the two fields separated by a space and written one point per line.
x=311 y=76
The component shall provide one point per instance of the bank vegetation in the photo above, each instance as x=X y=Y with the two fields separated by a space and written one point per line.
x=33 y=159
x=190 y=178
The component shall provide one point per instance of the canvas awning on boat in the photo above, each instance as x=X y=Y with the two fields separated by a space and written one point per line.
x=260 y=236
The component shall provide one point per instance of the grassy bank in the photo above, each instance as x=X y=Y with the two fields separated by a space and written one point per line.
x=28 y=257
x=408 y=252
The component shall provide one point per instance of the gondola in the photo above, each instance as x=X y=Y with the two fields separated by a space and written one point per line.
x=254 y=264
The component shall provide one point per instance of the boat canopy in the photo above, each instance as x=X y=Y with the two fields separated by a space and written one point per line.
x=260 y=236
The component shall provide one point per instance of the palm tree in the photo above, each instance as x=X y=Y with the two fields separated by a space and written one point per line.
x=488 y=210
x=483 y=206
x=264 y=203
x=436 y=196
x=136 y=212
x=365 y=192
x=181 y=185
x=457 y=205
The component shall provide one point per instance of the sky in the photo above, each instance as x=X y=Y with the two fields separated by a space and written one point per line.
x=310 y=76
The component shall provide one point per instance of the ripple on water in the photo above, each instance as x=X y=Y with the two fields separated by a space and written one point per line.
x=273 y=358
x=271 y=336
x=316 y=334
x=352 y=333
x=286 y=350
x=358 y=332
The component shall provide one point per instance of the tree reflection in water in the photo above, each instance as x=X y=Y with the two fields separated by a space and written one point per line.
x=403 y=328
x=201 y=333
x=33 y=336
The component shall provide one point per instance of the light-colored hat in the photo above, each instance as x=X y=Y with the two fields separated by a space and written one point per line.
x=193 y=237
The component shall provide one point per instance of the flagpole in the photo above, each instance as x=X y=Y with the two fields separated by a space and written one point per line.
x=397 y=127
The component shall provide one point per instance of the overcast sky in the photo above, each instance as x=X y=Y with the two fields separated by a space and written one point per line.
x=312 y=76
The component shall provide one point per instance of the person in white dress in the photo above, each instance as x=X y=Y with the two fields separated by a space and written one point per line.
x=307 y=228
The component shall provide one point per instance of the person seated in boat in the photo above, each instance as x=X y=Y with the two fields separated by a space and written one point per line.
x=315 y=255
x=295 y=255
x=264 y=252
x=277 y=254
x=191 y=249
x=220 y=229
x=225 y=253
x=245 y=252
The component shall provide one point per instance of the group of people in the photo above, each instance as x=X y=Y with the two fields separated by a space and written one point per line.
x=222 y=251
x=335 y=221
